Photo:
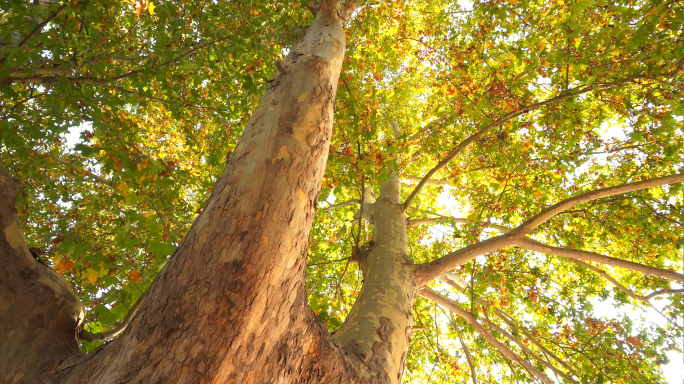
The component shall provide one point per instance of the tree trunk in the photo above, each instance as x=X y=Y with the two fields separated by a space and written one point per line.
x=376 y=329
x=230 y=306
x=39 y=314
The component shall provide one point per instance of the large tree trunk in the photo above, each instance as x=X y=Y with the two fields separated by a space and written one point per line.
x=230 y=306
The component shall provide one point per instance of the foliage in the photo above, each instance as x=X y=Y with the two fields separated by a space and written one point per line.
x=160 y=92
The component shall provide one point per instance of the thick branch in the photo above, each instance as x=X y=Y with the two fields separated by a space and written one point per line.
x=428 y=271
x=534 y=245
x=453 y=307
x=597 y=194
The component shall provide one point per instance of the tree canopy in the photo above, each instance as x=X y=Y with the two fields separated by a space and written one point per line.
x=503 y=108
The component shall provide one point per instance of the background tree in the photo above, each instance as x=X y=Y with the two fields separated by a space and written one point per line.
x=506 y=107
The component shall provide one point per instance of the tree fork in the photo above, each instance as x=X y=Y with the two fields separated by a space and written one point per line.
x=231 y=306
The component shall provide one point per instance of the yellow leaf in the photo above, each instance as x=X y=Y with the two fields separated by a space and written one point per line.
x=91 y=275
x=147 y=214
x=150 y=7
x=122 y=187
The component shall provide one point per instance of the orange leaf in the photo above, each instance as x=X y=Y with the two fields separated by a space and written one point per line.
x=135 y=275
x=64 y=265
x=634 y=341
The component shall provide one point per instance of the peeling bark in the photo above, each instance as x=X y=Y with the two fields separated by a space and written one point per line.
x=376 y=330
x=231 y=304
x=39 y=314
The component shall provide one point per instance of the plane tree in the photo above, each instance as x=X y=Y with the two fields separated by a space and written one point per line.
x=437 y=191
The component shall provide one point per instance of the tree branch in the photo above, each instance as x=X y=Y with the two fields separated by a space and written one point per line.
x=610 y=278
x=468 y=359
x=415 y=179
x=94 y=177
x=508 y=319
x=528 y=108
x=85 y=335
x=533 y=245
x=470 y=319
x=38 y=29
x=428 y=271
x=333 y=206
x=529 y=351
x=663 y=292
x=460 y=220
x=37 y=78
x=597 y=194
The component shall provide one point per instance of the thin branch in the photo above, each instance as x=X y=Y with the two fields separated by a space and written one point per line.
x=597 y=194
x=508 y=319
x=333 y=206
x=167 y=101
x=460 y=220
x=468 y=359
x=523 y=110
x=610 y=278
x=533 y=245
x=85 y=335
x=328 y=262
x=94 y=177
x=460 y=147
x=32 y=78
x=529 y=351
x=163 y=220
x=38 y=29
x=439 y=182
x=470 y=319
x=663 y=292
x=23 y=101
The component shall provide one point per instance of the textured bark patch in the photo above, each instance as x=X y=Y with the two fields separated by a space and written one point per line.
x=355 y=349
x=283 y=153
x=385 y=330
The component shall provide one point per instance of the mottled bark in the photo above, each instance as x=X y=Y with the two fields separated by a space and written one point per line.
x=39 y=314
x=376 y=330
x=230 y=306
